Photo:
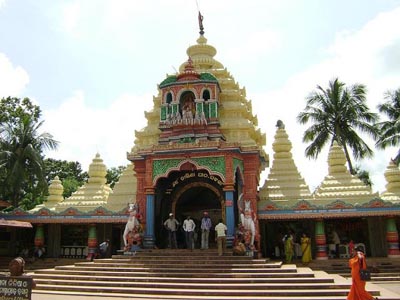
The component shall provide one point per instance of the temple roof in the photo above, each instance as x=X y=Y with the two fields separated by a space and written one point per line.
x=124 y=191
x=392 y=176
x=339 y=184
x=93 y=194
x=237 y=122
x=284 y=183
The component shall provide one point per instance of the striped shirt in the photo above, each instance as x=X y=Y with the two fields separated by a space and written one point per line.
x=206 y=223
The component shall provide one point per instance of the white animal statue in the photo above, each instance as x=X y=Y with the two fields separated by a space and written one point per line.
x=132 y=222
x=248 y=221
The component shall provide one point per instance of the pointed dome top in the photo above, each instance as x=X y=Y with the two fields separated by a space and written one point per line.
x=93 y=193
x=339 y=184
x=56 y=190
x=284 y=181
x=97 y=170
x=392 y=176
x=202 y=55
x=336 y=159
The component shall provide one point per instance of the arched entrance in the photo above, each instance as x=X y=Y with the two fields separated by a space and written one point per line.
x=190 y=195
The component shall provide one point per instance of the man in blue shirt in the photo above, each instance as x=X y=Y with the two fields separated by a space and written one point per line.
x=205 y=230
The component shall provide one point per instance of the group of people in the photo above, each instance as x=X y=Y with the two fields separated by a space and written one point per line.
x=356 y=262
x=289 y=247
x=189 y=227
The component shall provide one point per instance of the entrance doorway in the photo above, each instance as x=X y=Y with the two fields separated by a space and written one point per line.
x=189 y=198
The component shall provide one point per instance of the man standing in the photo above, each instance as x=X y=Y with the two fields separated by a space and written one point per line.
x=336 y=241
x=220 y=231
x=171 y=224
x=188 y=227
x=205 y=230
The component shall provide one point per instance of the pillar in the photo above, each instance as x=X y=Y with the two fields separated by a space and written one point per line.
x=392 y=238
x=39 y=236
x=320 y=240
x=230 y=218
x=149 y=237
x=92 y=242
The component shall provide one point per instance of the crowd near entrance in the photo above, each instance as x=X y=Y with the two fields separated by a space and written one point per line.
x=190 y=196
x=347 y=231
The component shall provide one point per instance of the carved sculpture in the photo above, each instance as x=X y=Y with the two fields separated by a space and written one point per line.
x=248 y=223
x=132 y=230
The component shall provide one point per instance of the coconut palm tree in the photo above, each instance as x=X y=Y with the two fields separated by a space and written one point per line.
x=337 y=113
x=21 y=147
x=390 y=130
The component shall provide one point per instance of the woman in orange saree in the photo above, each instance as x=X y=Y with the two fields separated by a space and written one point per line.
x=357 y=290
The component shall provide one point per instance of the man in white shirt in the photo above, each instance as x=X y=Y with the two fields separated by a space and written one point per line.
x=188 y=227
x=220 y=231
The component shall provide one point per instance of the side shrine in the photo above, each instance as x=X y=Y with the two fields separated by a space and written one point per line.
x=201 y=151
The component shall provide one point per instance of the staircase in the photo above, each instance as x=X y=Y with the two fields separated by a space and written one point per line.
x=383 y=269
x=198 y=274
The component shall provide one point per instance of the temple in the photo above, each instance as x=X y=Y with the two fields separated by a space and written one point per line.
x=202 y=151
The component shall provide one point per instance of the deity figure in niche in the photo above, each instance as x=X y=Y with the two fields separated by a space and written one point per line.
x=188 y=109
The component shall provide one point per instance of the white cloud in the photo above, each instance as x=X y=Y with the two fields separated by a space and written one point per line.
x=83 y=131
x=355 y=57
x=367 y=56
x=13 y=79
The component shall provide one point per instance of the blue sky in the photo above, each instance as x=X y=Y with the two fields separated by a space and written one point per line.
x=93 y=65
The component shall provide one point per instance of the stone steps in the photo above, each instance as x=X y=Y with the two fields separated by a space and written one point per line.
x=382 y=268
x=171 y=274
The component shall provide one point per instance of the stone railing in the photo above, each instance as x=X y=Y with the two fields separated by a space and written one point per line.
x=74 y=251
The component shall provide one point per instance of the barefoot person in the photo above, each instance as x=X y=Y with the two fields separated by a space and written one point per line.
x=357 y=290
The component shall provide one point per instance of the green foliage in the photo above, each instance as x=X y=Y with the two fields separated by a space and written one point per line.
x=12 y=110
x=336 y=114
x=363 y=175
x=70 y=173
x=390 y=129
x=113 y=175
x=21 y=151
x=70 y=185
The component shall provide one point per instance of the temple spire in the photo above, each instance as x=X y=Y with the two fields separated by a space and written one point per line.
x=200 y=17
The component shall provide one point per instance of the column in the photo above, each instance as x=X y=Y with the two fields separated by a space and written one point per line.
x=230 y=218
x=39 y=241
x=149 y=237
x=392 y=238
x=320 y=240
x=92 y=242
x=39 y=236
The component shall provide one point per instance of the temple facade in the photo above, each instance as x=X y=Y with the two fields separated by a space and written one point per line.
x=342 y=203
x=202 y=151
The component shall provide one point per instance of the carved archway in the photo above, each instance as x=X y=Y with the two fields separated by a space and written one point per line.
x=184 y=189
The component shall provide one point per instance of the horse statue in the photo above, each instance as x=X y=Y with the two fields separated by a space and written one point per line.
x=246 y=217
x=132 y=224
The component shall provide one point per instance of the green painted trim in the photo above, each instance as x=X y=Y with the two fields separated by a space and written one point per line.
x=319 y=228
x=237 y=163
x=92 y=233
x=39 y=232
x=213 y=164
x=168 y=80
x=161 y=166
x=391 y=225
